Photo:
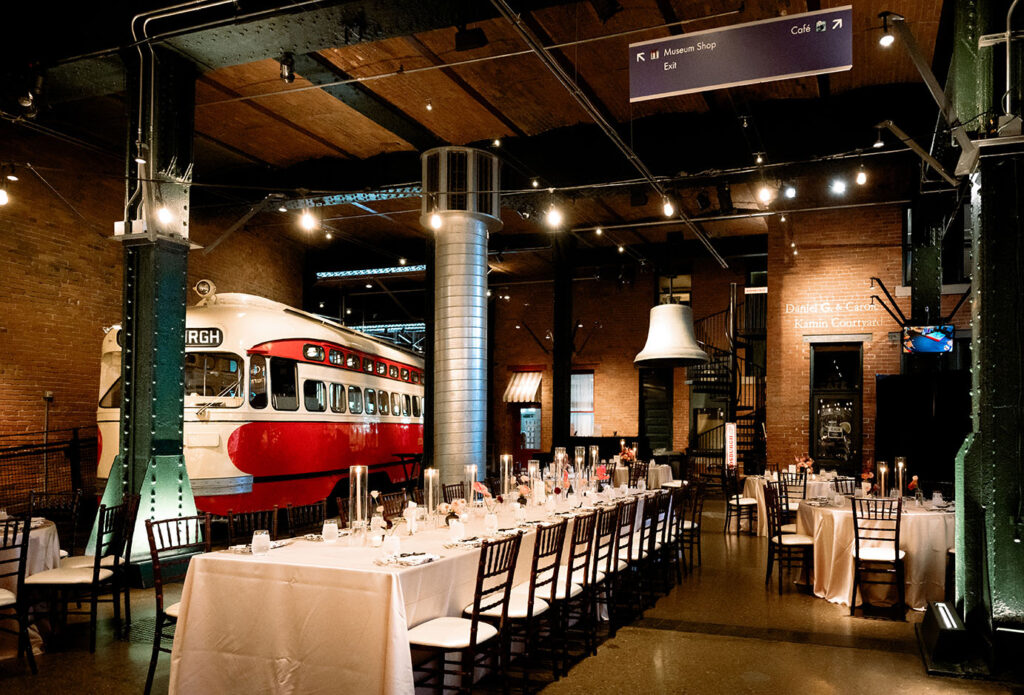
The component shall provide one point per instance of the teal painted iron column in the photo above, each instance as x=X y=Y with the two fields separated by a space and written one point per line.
x=151 y=461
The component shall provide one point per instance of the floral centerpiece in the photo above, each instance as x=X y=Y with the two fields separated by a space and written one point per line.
x=445 y=510
x=601 y=474
x=627 y=456
x=524 y=494
x=804 y=463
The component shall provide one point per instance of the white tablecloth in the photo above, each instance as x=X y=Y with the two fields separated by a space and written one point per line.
x=754 y=487
x=656 y=476
x=925 y=535
x=318 y=618
x=43 y=554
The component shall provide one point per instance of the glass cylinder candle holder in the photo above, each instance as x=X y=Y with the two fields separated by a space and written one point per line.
x=470 y=473
x=901 y=474
x=595 y=456
x=358 y=494
x=533 y=471
x=581 y=459
x=560 y=465
x=431 y=489
x=882 y=471
x=507 y=482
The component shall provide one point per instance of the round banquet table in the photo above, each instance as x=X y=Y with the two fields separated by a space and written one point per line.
x=43 y=554
x=754 y=487
x=656 y=476
x=925 y=535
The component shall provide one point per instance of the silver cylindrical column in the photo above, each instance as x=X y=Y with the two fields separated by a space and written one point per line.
x=460 y=207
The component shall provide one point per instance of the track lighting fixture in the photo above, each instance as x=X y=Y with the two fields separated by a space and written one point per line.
x=288 y=68
x=667 y=207
x=879 y=142
x=307 y=221
x=886 y=39
x=553 y=217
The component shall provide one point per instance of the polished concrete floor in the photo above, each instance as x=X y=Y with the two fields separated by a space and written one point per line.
x=720 y=631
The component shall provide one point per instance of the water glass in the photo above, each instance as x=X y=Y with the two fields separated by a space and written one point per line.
x=330 y=531
x=260 y=542
x=392 y=545
x=491 y=524
x=937 y=497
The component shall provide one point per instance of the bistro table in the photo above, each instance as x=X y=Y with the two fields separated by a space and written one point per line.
x=926 y=534
x=43 y=554
x=312 y=617
x=754 y=486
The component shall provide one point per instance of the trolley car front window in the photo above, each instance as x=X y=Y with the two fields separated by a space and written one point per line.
x=213 y=374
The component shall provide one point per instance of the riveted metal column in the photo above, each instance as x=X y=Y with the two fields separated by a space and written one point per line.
x=461 y=207
x=151 y=463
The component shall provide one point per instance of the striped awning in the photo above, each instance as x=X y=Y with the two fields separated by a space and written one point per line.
x=523 y=387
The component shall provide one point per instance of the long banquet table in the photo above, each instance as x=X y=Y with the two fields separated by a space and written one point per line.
x=43 y=554
x=925 y=535
x=313 y=617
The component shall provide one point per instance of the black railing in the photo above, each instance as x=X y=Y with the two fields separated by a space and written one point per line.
x=65 y=462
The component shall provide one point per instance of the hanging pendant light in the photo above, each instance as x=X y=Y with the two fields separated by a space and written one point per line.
x=670 y=339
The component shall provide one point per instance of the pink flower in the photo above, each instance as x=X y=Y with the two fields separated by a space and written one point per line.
x=524 y=490
x=481 y=488
x=459 y=506
x=444 y=508
x=601 y=472
x=912 y=485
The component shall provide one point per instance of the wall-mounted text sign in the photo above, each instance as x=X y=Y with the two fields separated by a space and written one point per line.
x=811 y=43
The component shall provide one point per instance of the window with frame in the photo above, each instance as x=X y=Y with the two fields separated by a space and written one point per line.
x=314 y=396
x=405 y=405
x=337 y=398
x=258 y=381
x=355 y=400
x=393 y=371
x=415 y=406
x=284 y=384
x=336 y=358
x=396 y=408
x=581 y=404
x=313 y=352
x=405 y=375
x=415 y=377
x=369 y=401
x=351 y=361
x=382 y=369
x=383 y=403
x=368 y=365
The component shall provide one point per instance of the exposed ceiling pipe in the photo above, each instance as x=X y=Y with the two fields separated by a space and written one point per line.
x=552 y=65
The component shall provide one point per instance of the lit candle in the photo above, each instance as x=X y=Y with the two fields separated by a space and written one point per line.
x=506 y=474
x=470 y=479
x=900 y=474
x=595 y=459
x=881 y=481
x=358 y=494
x=431 y=489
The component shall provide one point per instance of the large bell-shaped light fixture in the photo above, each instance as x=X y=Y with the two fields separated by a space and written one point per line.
x=670 y=339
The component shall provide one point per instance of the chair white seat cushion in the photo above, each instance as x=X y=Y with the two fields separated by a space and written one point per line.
x=621 y=565
x=517 y=605
x=879 y=554
x=66 y=575
x=742 y=501
x=64 y=553
x=638 y=552
x=793 y=506
x=87 y=561
x=794 y=539
x=172 y=610
x=689 y=525
x=450 y=633
x=7 y=598
x=788 y=528
x=577 y=577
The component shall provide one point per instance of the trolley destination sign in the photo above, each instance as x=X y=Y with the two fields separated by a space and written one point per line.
x=810 y=43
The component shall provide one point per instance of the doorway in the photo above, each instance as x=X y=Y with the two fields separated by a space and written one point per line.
x=835 y=406
x=656 y=408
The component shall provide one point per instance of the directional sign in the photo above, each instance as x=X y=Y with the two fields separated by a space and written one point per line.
x=811 y=43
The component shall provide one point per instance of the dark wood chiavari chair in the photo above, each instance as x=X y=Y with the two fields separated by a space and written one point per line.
x=637 y=472
x=107 y=573
x=306 y=518
x=394 y=504
x=14 y=605
x=674 y=537
x=572 y=594
x=342 y=511
x=738 y=506
x=454 y=492
x=624 y=587
x=845 y=485
x=62 y=509
x=172 y=543
x=476 y=639
x=788 y=513
x=796 y=488
x=601 y=584
x=783 y=549
x=242 y=524
x=877 y=558
x=691 y=529
x=534 y=599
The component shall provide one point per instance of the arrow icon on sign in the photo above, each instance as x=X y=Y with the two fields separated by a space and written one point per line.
x=837 y=23
x=640 y=57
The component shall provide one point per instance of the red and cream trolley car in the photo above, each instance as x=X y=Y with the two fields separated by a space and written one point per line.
x=279 y=404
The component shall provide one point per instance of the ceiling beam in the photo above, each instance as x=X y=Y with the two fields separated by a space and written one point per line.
x=321 y=71
x=276 y=117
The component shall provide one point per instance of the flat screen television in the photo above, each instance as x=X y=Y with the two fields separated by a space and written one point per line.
x=918 y=339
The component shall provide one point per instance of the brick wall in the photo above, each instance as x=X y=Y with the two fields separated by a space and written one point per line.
x=60 y=278
x=622 y=312
x=825 y=290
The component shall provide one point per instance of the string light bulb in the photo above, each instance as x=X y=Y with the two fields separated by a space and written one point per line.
x=782 y=218
x=598 y=231
x=329 y=236
x=4 y=198
x=622 y=249
x=765 y=195
x=760 y=158
x=667 y=207
x=862 y=176
x=307 y=221
x=838 y=187
x=430 y=105
x=534 y=183
x=789 y=192
x=553 y=217
x=496 y=142
x=435 y=221
x=402 y=261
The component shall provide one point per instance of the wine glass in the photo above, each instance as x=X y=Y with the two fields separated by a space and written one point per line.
x=330 y=531
x=260 y=542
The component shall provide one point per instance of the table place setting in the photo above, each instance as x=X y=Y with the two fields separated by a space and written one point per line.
x=247 y=549
x=407 y=559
